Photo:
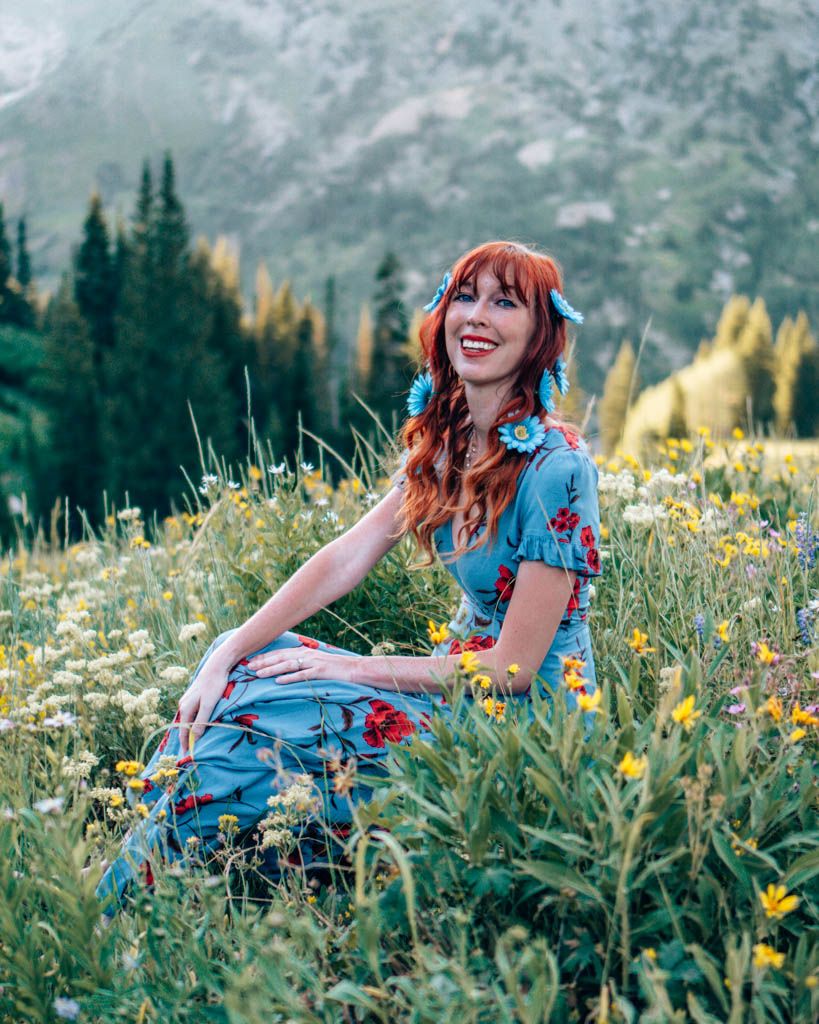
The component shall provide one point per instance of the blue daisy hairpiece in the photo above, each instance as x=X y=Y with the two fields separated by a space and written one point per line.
x=442 y=287
x=420 y=394
x=565 y=310
x=523 y=436
x=560 y=375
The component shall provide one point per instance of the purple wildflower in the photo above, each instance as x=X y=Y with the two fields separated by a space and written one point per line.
x=699 y=624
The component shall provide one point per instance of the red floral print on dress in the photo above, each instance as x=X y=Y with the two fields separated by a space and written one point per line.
x=504 y=584
x=308 y=641
x=474 y=643
x=574 y=600
x=386 y=723
x=569 y=437
x=190 y=803
x=246 y=721
x=587 y=537
x=231 y=686
x=564 y=522
x=593 y=559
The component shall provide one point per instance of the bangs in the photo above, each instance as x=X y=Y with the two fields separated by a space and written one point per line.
x=513 y=265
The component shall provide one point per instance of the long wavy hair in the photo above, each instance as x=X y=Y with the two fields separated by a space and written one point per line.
x=437 y=485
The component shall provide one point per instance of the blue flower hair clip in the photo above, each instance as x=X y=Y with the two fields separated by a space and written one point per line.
x=524 y=436
x=559 y=372
x=420 y=394
x=565 y=310
x=442 y=287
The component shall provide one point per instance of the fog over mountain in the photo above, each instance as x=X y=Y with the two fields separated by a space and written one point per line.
x=666 y=153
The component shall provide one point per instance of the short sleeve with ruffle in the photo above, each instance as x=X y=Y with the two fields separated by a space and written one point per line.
x=557 y=513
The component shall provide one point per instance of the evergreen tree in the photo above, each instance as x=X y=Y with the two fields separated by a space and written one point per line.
x=23 y=258
x=330 y=423
x=677 y=422
x=755 y=347
x=391 y=370
x=7 y=280
x=300 y=404
x=732 y=321
x=73 y=459
x=619 y=389
x=95 y=285
x=262 y=375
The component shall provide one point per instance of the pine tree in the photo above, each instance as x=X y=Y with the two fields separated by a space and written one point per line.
x=73 y=458
x=300 y=402
x=391 y=370
x=619 y=389
x=7 y=279
x=26 y=315
x=331 y=424
x=95 y=285
x=755 y=347
x=732 y=321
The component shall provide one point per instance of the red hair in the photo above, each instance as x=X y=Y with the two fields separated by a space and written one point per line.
x=437 y=438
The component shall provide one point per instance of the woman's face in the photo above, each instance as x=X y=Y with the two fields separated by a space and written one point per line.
x=487 y=333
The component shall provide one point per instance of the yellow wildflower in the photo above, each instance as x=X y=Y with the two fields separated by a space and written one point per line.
x=129 y=767
x=797 y=734
x=437 y=634
x=116 y=800
x=137 y=784
x=738 y=433
x=494 y=708
x=765 y=654
x=639 y=642
x=143 y=810
x=483 y=681
x=470 y=661
x=685 y=713
x=633 y=767
x=773 y=706
x=776 y=901
x=513 y=669
x=765 y=956
x=589 y=703
x=722 y=631
x=800 y=717
x=228 y=824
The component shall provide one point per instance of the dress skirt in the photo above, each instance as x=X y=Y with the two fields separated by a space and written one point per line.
x=261 y=736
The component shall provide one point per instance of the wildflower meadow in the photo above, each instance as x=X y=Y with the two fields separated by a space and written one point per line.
x=652 y=856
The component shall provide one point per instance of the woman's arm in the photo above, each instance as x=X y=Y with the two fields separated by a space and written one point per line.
x=537 y=605
x=331 y=572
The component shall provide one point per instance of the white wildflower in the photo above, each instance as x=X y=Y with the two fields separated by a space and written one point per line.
x=87 y=557
x=621 y=484
x=68 y=631
x=141 y=644
x=80 y=766
x=190 y=630
x=175 y=674
x=66 y=680
x=128 y=515
x=751 y=605
x=90 y=634
x=644 y=516
x=62 y=720
x=49 y=805
x=68 y=1009
x=277 y=470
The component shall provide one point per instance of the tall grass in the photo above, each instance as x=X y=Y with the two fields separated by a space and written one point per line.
x=537 y=866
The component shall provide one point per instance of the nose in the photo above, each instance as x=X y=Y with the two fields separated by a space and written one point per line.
x=478 y=312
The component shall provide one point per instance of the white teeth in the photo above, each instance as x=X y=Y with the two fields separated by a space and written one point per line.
x=484 y=346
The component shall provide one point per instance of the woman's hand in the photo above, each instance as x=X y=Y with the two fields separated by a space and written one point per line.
x=296 y=664
x=201 y=697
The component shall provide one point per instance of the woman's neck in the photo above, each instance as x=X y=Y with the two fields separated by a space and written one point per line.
x=484 y=406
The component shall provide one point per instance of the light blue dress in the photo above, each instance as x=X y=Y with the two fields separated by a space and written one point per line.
x=554 y=518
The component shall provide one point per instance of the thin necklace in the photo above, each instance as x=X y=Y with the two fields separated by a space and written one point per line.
x=470 y=451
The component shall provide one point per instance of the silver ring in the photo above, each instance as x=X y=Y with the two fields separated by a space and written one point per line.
x=300 y=662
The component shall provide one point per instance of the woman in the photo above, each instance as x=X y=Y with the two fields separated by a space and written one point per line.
x=494 y=483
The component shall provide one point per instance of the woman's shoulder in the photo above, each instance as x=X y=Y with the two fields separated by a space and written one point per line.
x=562 y=446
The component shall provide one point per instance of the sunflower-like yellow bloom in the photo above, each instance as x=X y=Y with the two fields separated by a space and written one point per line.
x=767 y=956
x=633 y=767
x=589 y=703
x=437 y=634
x=685 y=713
x=777 y=902
x=639 y=642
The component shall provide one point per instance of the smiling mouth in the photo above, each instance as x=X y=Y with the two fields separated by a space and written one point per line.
x=473 y=344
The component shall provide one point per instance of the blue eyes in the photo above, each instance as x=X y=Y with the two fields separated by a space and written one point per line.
x=466 y=297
